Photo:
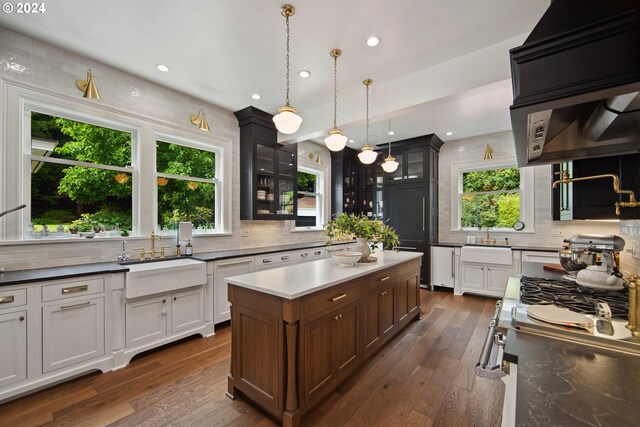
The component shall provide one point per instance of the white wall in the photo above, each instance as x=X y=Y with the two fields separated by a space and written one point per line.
x=503 y=146
x=38 y=65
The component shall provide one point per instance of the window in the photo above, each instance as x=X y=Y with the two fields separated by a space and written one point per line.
x=81 y=178
x=495 y=196
x=186 y=183
x=490 y=198
x=310 y=200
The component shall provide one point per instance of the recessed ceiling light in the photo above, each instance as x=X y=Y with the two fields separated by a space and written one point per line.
x=373 y=41
x=391 y=132
x=449 y=133
x=163 y=68
x=304 y=73
x=256 y=96
x=351 y=141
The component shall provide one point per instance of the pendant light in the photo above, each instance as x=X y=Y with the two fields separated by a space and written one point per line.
x=336 y=141
x=390 y=165
x=367 y=155
x=287 y=121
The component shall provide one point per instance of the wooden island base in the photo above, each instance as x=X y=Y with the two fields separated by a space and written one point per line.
x=287 y=354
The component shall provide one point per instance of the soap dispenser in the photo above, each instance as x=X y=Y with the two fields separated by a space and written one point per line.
x=188 y=249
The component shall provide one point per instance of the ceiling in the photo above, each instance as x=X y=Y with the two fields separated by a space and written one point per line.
x=441 y=66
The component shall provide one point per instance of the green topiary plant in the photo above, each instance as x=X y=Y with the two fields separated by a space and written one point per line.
x=348 y=226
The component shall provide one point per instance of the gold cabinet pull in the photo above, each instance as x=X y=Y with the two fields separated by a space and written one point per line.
x=337 y=317
x=74 y=289
x=266 y=260
x=7 y=299
x=284 y=258
x=338 y=297
x=67 y=307
x=383 y=293
x=385 y=278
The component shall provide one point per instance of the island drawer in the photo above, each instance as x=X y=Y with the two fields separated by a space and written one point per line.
x=409 y=267
x=384 y=276
x=72 y=289
x=331 y=298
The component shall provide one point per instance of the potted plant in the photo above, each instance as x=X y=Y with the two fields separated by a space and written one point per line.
x=368 y=233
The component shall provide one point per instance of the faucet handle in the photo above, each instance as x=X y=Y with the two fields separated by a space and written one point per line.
x=162 y=250
x=141 y=253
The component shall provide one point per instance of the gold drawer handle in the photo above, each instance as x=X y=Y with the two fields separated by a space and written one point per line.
x=337 y=317
x=264 y=261
x=7 y=299
x=336 y=298
x=383 y=293
x=67 y=307
x=385 y=278
x=284 y=258
x=74 y=289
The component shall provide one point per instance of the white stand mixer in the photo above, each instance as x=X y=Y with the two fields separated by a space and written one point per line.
x=603 y=277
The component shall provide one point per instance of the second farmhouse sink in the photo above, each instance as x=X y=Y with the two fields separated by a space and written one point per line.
x=486 y=254
x=152 y=277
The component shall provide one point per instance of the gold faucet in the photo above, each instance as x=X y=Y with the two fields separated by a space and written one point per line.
x=489 y=241
x=153 y=243
x=632 y=203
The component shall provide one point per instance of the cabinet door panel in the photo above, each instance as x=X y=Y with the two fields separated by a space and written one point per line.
x=318 y=368
x=472 y=276
x=401 y=300
x=187 y=309
x=13 y=351
x=223 y=269
x=72 y=332
x=346 y=338
x=497 y=279
x=387 y=318
x=146 y=320
x=413 y=293
x=405 y=208
x=371 y=321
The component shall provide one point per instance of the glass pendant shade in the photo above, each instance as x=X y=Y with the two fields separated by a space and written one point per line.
x=390 y=165
x=367 y=155
x=287 y=121
x=336 y=141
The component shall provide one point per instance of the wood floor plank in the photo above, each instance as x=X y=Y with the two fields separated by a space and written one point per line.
x=423 y=377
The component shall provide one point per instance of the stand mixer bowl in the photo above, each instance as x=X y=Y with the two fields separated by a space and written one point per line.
x=574 y=261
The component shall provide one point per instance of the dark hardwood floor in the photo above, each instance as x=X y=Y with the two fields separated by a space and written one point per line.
x=424 y=377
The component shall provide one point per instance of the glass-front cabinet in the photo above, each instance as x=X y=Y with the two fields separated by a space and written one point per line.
x=268 y=183
x=411 y=166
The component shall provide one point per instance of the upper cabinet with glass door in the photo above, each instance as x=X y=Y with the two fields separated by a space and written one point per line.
x=411 y=154
x=268 y=170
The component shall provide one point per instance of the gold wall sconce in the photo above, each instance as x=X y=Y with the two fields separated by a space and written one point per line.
x=201 y=121
x=318 y=157
x=488 y=153
x=88 y=87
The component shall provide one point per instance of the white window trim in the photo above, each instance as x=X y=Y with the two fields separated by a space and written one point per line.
x=18 y=98
x=217 y=181
x=527 y=193
x=324 y=206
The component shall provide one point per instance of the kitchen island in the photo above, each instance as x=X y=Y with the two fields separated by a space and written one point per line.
x=299 y=331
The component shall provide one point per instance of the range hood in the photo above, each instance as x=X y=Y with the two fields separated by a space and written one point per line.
x=576 y=83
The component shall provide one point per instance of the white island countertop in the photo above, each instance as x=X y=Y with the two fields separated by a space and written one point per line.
x=298 y=280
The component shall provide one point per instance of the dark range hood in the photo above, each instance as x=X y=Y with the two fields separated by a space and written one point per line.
x=576 y=83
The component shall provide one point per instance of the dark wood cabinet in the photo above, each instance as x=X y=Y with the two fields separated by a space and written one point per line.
x=410 y=195
x=595 y=199
x=268 y=170
x=352 y=184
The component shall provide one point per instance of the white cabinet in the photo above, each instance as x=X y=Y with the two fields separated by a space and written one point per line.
x=484 y=270
x=274 y=260
x=153 y=319
x=484 y=279
x=443 y=266
x=311 y=254
x=221 y=270
x=72 y=332
x=146 y=320
x=187 y=309
x=13 y=351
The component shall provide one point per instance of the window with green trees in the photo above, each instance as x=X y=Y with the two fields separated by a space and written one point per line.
x=186 y=185
x=81 y=176
x=490 y=198
x=309 y=200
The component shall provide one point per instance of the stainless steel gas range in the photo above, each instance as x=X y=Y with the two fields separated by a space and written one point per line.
x=510 y=318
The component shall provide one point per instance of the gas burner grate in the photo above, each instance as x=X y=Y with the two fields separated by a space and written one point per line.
x=568 y=294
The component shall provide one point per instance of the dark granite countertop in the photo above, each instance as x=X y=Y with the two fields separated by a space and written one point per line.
x=513 y=247
x=536 y=248
x=51 y=273
x=448 y=244
x=213 y=256
x=561 y=383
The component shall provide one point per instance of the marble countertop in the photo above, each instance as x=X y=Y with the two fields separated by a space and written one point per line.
x=302 y=279
x=235 y=253
x=564 y=383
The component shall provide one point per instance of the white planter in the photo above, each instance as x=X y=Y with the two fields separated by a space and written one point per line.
x=362 y=246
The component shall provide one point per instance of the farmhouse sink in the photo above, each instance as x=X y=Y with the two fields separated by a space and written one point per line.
x=147 y=278
x=486 y=254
